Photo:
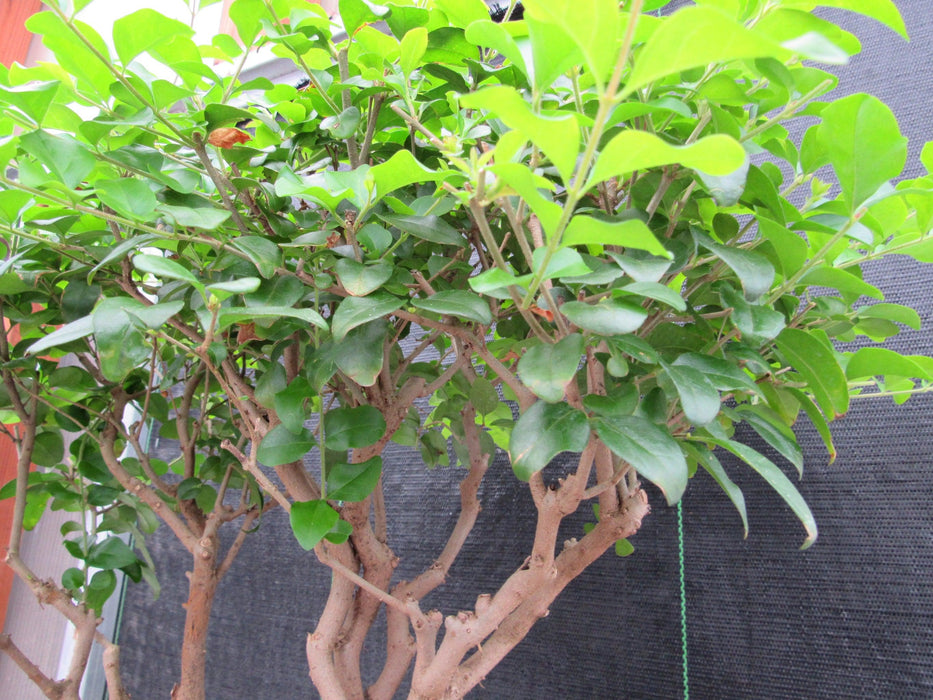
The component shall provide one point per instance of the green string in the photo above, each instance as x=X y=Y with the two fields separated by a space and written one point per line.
x=683 y=597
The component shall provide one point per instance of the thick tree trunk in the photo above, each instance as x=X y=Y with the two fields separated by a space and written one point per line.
x=201 y=590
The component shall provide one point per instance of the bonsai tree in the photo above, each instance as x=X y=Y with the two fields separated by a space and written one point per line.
x=591 y=230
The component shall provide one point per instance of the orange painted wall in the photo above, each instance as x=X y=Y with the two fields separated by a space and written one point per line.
x=14 y=39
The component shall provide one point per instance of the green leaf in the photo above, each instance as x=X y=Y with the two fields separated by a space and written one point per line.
x=722 y=374
x=649 y=448
x=112 y=553
x=624 y=548
x=544 y=431
x=121 y=345
x=818 y=421
x=355 y=311
x=229 y=316
x=638 y=150
x=351 y=427
x=343 y=125
x=359 y=279
x=129 y=197
x=412 y=49
x=557 y=136
x=715 y=469
x=774 y=431
x=878 y=362
x=356 y=13
x=262 y=252
x=68 y=159
x=430 y=228
x=843 y=280
x=656 y=291
x=631 y=233
x=144 y=30
x=698 y=397
x=485 y=32
x=593 y=26
x=163 y=268
x=353 y=482
x=311 y=520
x=863 y=142
x=778 y=481
x=566 y=262
x=291 y=404
x=813 y=359
x=99 y=589
x=545 y=368
x=75 y=330
x=606 y=317
x=282 y=446
x=207 y=218
x=401 y=170
x=462 y=13
x=456 y=302
x=49 y=449
x=885 y=11
x=243 y=285
x=32 y=99
x=756 y=324
x=892 y=312
x=753 y=270
x=694 y=37
x=360 y=353
x=483 y=396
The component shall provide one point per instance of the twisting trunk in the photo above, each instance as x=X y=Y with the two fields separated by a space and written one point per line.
x=202 y=588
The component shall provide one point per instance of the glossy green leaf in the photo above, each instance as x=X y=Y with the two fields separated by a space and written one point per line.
x=48 y=449
x=207 y=218
x=430 y=228
x=355 y=311
x=818 y=420
x=693 y=37
x=494 y=36
x=885 y=11
x=163 y=268
x=353 y=482
x=33 y=99
x=633 y=150
x=99 y=589
x=698 y=397
x=360 y=279
x=291 y=404
x=753 y=270
x=756 y=323
x=157 y=315
x=262 y=252
x=111 y=553
x=862 y=140
x=311 y=521
x=456 y=302
x=356 y=13
x=546 y=368
x=243 y=285
x=75 y=330
x=814 y=361
x=778 y=481
x=343 y=125
x=401 y=170
x=593 y=26
x=649 y=448
x=121 y=345
x=623 y=548
x=722 y=374
x=144 y=30
x=881 y=362
x=351 y=427
x=606 y=317
x=228 y=316
x=542 y=432
x=656 y=291
x=68 y=159
x=631 y=233
x=360 y=353
x=774 y=431
x=127 y=196
x=557 y=136
x=462 y=13
x=413 y=46
x=843 y=280
x=282 y=446
x=892 y=312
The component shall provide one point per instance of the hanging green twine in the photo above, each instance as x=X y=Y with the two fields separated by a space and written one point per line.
x=683 y=597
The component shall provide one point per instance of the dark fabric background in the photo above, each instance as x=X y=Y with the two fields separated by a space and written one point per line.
x=850 y=618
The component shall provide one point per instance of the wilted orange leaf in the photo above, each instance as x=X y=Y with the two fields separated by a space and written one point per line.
x=546 y=314
x=227 y=137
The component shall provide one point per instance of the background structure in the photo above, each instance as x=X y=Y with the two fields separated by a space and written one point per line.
x=850 y=618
